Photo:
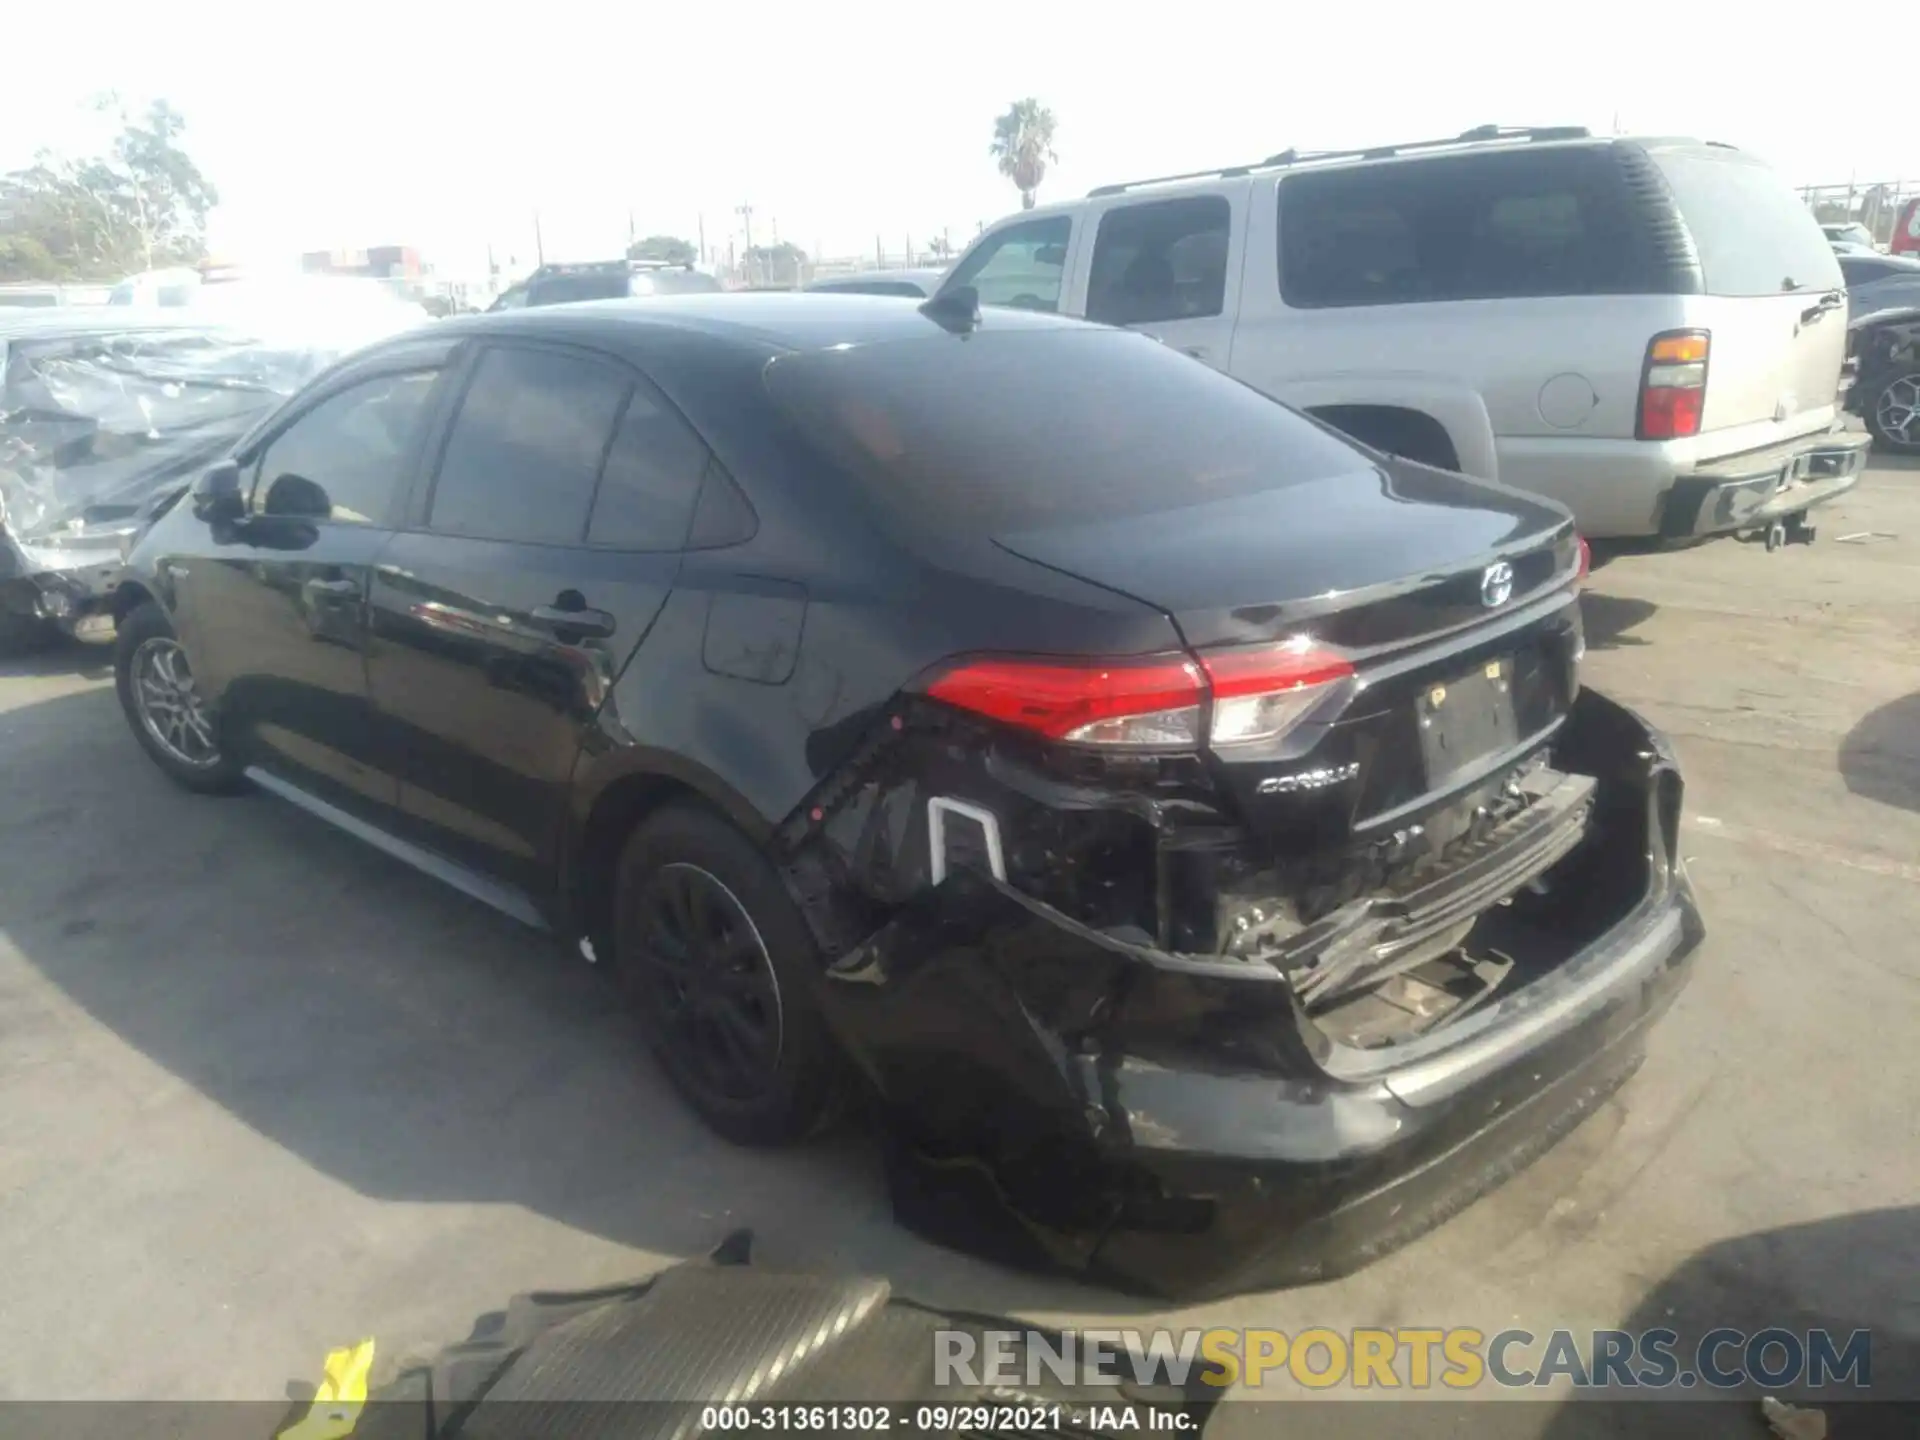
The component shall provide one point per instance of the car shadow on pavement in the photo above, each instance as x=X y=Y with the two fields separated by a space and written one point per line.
x=89 y=662
x=1880 y=756
x=1802 y=1278
x=1608 y=618
x=401 y=1040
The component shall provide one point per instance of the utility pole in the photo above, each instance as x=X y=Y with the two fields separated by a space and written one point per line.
x=539 y=246
x=703 y=239
x=745 y=212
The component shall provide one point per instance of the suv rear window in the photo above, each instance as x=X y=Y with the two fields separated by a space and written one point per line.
x=1014 y=430
x=1754 y=235
x=1459 y=227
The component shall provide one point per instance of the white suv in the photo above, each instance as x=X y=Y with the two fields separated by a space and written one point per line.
x=1649 y=331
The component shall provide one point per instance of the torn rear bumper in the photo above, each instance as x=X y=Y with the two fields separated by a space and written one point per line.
x=1173 y=1124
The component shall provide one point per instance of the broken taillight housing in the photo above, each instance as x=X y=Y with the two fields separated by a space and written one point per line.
x=1258 y=693
x=1673 y=386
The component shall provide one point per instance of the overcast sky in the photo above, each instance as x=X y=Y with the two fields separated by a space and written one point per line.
x=447 y=126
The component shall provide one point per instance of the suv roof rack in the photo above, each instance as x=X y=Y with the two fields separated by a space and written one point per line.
x=1479 y=135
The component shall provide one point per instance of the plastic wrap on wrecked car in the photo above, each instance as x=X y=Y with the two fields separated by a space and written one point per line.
x=95 y=421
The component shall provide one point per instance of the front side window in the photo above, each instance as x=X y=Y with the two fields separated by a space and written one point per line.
x=1166 y=260
x=1022 y=266
x=345 y=460
x=524 y=455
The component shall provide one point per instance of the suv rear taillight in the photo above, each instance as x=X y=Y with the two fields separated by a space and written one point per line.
x=1673 y=386
x=1258 y=694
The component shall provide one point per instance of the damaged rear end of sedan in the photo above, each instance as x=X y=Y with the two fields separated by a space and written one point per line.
x=1237 y=962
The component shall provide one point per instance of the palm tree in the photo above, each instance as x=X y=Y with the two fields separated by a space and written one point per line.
x=1023 y=145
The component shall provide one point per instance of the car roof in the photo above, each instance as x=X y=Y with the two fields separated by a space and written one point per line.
x=1309 y=163
x=785 y=319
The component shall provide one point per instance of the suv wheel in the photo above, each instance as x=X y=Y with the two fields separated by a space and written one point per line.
x=168 y=716
x=1894 y=414
x=721 y=969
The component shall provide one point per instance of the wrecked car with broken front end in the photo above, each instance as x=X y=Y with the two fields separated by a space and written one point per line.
x=106 y=415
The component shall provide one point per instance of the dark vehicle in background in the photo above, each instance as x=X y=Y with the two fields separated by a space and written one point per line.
x=105 y=413
x=910 y=284
x=604 y=280
x=1880 y=282
x=1188 y=827
x=1884 y=348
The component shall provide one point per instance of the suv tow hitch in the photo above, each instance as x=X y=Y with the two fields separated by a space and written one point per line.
x=1787 y=530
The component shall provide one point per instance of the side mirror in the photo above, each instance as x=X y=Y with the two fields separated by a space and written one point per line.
x=217 y=498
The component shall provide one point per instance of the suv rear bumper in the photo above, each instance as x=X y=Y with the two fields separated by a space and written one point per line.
x=1745 y=492
x=1174 y=1125
x=1641 y=489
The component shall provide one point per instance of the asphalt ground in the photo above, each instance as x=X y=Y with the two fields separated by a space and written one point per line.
x=263 y=1092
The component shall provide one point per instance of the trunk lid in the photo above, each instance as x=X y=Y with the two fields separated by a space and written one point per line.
x=1451 y=597
x=1385 y=554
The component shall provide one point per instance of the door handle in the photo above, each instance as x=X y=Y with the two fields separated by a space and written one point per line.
x=334 y=589
x=588 y=624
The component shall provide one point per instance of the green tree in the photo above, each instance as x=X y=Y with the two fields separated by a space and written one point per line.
x=670 y=249
x=141 y=205
x=1023 y=146
x=781 y=264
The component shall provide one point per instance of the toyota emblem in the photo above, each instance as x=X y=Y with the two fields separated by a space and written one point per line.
x=1496 y=585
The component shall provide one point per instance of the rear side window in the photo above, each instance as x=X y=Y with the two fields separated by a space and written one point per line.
x=1022 y=265
x=1753 y=234
x=650 y=480
x=1161 y=261
x=1015 y=429
x=526 y=448
x=1492 y=226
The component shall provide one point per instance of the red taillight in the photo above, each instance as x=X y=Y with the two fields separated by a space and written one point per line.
x=1585 y=552
x=1258 y=693
x=1263 y=691
x=1673 y=385
x=1149 y=701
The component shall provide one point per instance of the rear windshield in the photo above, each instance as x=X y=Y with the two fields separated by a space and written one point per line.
x=1493 y=226
x=1022 y=429
x=1754 y=235
x=565 y=289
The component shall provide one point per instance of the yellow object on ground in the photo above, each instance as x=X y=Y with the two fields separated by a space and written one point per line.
x=336 y=1407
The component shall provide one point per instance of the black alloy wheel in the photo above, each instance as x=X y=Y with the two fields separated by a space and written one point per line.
x=709 y=983
x=724 y=976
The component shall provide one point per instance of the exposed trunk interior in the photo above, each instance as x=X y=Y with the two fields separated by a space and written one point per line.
x=1381 y=940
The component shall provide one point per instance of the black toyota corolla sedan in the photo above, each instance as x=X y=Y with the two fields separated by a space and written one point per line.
x=1185 y=827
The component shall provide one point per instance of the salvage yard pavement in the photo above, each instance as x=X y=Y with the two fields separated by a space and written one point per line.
x=263 y=1092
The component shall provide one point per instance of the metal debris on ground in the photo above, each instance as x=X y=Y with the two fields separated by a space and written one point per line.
x=1867 y=537
x=1791 y=1422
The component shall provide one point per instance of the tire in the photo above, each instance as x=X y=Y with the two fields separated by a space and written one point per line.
x=755 y=974
x=1893 y=412
x=143 y=638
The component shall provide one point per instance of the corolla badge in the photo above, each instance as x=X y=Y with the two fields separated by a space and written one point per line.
x=1307 y=779
x=1496 y=585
